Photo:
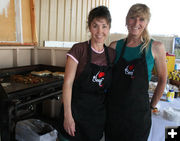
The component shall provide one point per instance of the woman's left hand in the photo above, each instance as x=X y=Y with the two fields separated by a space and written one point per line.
x=69 y=125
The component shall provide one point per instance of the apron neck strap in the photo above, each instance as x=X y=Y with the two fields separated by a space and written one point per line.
x=107 y=55
x=123 y=48
x=90 y=54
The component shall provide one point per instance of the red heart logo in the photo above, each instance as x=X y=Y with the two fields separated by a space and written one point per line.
x=131 y=67
x=101 y=74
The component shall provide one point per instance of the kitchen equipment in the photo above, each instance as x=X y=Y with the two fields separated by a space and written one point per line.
x=21 y=100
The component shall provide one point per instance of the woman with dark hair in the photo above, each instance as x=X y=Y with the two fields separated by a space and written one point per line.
x=128 y=108
x=87 y=78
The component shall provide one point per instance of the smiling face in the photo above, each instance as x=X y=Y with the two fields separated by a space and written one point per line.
x=137 y=20
x=136 y=25
x=99 y=29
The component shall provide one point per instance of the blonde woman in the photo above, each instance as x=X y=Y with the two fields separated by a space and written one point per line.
x=129 y=110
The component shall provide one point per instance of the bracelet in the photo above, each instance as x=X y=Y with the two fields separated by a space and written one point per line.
x=153 y=108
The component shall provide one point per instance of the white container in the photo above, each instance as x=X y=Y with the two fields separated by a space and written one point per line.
x=172 y=114
x=170 y=96
x=35 y=130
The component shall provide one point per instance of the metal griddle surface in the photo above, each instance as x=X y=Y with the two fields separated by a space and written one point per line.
x=49 y=81
x=17 y=86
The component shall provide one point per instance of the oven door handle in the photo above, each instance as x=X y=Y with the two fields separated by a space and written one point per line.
x=40 y=98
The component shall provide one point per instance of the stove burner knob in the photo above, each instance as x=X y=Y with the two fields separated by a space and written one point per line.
x=16 y=101
x=58 y=97
x=31 y=107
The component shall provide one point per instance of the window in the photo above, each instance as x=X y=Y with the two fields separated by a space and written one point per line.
x=164 y=20
x=164 y=16
x=11 y=21
x=17 y=23
x=176 y=47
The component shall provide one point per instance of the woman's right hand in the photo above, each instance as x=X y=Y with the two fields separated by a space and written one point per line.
x=69 y=125
x=70 y=71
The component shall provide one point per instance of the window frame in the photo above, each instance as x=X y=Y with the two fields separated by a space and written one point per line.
x=176 y=46
x=19 y=41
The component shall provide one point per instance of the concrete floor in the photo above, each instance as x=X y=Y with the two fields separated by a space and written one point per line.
x=100 y=140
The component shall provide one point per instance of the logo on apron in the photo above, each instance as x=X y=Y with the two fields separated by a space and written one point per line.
x=99 y=77
x=129 y=70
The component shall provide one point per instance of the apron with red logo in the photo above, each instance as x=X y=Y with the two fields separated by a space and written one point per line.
x=88 y=100
x=128 y=108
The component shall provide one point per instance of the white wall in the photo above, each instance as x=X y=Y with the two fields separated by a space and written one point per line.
x=19 y=56
x=12 y=56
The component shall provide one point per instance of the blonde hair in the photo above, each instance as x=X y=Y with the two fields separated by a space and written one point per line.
x=141 y=10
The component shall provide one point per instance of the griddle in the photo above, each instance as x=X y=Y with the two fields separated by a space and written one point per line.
x=19 y=101
x=16 y=89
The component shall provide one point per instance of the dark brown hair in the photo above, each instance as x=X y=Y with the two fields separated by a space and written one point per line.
x=99 y=12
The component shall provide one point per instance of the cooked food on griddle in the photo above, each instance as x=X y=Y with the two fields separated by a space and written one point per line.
x=41 y=73
x=27 y=79
x=58 y=73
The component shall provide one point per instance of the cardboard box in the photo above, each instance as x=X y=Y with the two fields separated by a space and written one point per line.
x=170 y=60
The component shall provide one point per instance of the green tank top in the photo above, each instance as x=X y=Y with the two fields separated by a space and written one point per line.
x=134 y=53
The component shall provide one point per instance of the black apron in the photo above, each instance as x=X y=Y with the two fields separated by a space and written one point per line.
x=128 y=108
x=88 y=101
